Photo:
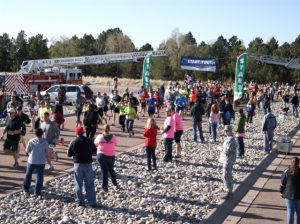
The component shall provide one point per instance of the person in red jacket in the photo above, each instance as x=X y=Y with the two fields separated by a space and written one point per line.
x=150 y=134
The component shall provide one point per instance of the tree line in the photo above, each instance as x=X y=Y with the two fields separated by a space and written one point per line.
x=13 y=51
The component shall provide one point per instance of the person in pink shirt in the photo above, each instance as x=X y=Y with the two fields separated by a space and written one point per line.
x=178 y=131
x=213 y=121
x=168 y=135
x=106 y=151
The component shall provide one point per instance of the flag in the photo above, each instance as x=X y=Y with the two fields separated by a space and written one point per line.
x=147 y=70
x=240 y=72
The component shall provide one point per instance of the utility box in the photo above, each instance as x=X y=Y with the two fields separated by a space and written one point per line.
x=284 y=144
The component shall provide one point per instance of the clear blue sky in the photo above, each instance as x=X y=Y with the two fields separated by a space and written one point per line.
x=153 y=21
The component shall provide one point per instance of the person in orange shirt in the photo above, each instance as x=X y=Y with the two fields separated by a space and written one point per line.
x=192 y=98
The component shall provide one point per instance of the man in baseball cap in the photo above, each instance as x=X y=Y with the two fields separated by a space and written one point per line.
x=82 y=150
x=79 y=131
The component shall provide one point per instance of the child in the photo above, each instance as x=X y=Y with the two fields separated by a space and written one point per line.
x=150 y=133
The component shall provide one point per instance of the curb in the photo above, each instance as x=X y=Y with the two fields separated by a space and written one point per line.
x=242 y=193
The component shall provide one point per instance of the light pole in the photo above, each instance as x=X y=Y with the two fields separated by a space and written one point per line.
x=16 y=57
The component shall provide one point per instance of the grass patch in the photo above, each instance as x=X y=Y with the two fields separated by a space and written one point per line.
x=108 y=81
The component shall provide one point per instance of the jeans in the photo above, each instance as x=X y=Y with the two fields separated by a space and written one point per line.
x=151 y=155
x=197 y=125
x=227 y=121
x=249 y=117
x=292 y=207
x=213 y=130
x=129 y=124
x=84 y=172
x=295 y=111
x=168 y=149
x=39 y=178
x=107 y=164
x=268 y=138
x=241 y=147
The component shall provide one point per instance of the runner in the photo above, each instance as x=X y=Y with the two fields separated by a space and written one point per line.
x=12 y=128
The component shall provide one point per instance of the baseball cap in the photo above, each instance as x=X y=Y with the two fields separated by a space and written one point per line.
x=11 y=110
x=79 y=130
x=228 y=128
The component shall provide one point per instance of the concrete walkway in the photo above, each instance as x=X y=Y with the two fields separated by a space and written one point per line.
x=257 y=199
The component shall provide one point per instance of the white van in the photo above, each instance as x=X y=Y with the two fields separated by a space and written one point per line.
x=70 y=90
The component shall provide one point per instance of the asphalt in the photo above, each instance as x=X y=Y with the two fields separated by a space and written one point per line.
x=11 y=179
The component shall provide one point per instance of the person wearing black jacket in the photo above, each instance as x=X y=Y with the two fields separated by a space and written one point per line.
x=295 y=102
x=13 y=129
x=90 y=121
x=197 y=111
x=24 y=120
x=228 y=112
x=290 y=190
x=82 y=150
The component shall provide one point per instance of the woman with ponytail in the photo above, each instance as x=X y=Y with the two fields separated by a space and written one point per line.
x=106 y=155
x=290 y=190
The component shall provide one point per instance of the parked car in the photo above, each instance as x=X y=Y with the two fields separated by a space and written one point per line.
x=70 y=90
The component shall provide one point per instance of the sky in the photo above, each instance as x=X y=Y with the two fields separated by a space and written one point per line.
x=154 y=21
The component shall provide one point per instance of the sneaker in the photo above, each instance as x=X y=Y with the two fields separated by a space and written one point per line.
x=16 y=165
x=50 y=168
x=80 y=204
x=26 y=194
x=117 y=187
x=93 y=205
x=226 y=195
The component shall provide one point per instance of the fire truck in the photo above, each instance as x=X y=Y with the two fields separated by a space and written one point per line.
x=38 y=75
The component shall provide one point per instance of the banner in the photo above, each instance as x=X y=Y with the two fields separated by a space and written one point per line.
x=147 y=70
x=240 y=72
x=198 y=64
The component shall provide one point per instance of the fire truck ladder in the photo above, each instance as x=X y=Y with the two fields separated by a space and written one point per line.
x=288 y=63
x=33 y=66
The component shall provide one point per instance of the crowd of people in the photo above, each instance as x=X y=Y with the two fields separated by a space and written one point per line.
x=198 y=99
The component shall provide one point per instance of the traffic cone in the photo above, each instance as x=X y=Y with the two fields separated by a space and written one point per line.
x=62 y=141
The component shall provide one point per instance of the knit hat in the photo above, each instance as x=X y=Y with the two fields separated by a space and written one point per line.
x=79 y=130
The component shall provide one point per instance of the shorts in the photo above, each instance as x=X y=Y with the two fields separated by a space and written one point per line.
x=178 y=108
x=100 y=111
x=192 y=104
x=143 y=104
x=11 y=145
x=78 y=112
x=151 y=112
x=117 y=110
x=105 y=108
x=177 y=136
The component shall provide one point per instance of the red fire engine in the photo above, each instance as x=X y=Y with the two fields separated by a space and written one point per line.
x=41 y=74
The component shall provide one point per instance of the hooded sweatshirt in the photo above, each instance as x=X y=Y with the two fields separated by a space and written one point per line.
x=106 y=144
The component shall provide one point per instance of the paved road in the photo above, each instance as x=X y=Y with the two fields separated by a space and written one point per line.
x=11 y=179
